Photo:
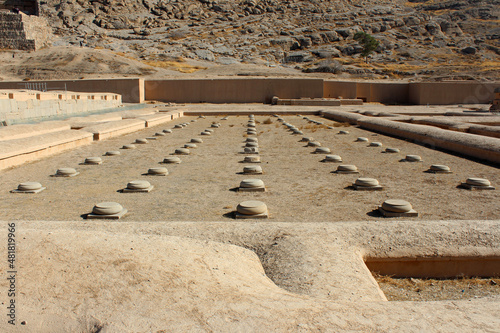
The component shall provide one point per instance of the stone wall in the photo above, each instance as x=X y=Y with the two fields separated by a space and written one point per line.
x=22 y=106
x=445 y=93
x=37 y=28
x=231 y=90
x=262 y=90
x=130 y=89
x=23 y=32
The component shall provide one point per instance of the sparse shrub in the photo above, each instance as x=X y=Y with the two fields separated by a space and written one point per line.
x=369 y=43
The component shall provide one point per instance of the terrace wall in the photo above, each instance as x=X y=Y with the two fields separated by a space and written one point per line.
x=237 y=90
x=261 y=90
x=443 y=93
x=21 y=106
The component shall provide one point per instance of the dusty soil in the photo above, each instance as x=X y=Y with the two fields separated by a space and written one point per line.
x=177 y=276
x=299 y=187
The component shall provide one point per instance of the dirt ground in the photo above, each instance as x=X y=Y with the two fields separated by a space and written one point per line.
x=299 y=187
x=412 y=289
x=178 y=261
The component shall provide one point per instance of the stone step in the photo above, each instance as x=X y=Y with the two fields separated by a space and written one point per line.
x=7 y=17
x=12 y=34
x=18 y=44
x=11 y=25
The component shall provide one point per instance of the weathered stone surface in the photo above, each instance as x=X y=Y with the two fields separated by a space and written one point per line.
x=107 y=208
x=396 y=206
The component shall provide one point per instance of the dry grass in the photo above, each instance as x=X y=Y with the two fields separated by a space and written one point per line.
x=174 y=65
x=123 y=54
x=417 y=289
x=416 y=283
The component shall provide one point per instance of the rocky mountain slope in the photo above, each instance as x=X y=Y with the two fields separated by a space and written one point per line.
x=424 y=39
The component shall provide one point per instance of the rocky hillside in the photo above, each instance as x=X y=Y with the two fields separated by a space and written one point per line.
x=426 y=39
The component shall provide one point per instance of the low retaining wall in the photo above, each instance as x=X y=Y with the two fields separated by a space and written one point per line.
x=480 y=147
x=439 y=267
x=24 y=131
x=483 y=148
x=342 y=116
x=131 y=90
x=261 y=90
x=156 y=119
x=115 y=128
x=476 y=126
x=493 y=131
x=19 y=106
x=19 y=151
x=446 y=93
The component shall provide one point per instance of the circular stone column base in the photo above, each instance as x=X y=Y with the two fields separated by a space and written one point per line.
x=477 y=184
x=182 y=151
x=251 y=210
x=112 y=153
x=410 y=213
x=252 y=189
x=397 y=208
x=367 y=188
x=438 y=168
x=157 y=171
x=367 y=184
x=332 y=159
x=251 y=159
x=65 y=172
x=143 y=190
x=346 y=169
x=171 y=160
x=29 y=187
x=252 y=185
x=252 y=170
x=100 y=211
x=92 y=161
x=250 y=150
x=391 y=150
x=142 y=186
x=412 y=158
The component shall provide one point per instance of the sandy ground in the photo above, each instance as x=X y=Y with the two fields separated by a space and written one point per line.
x=177 y=276
x=171 y=263
x=299 y=187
